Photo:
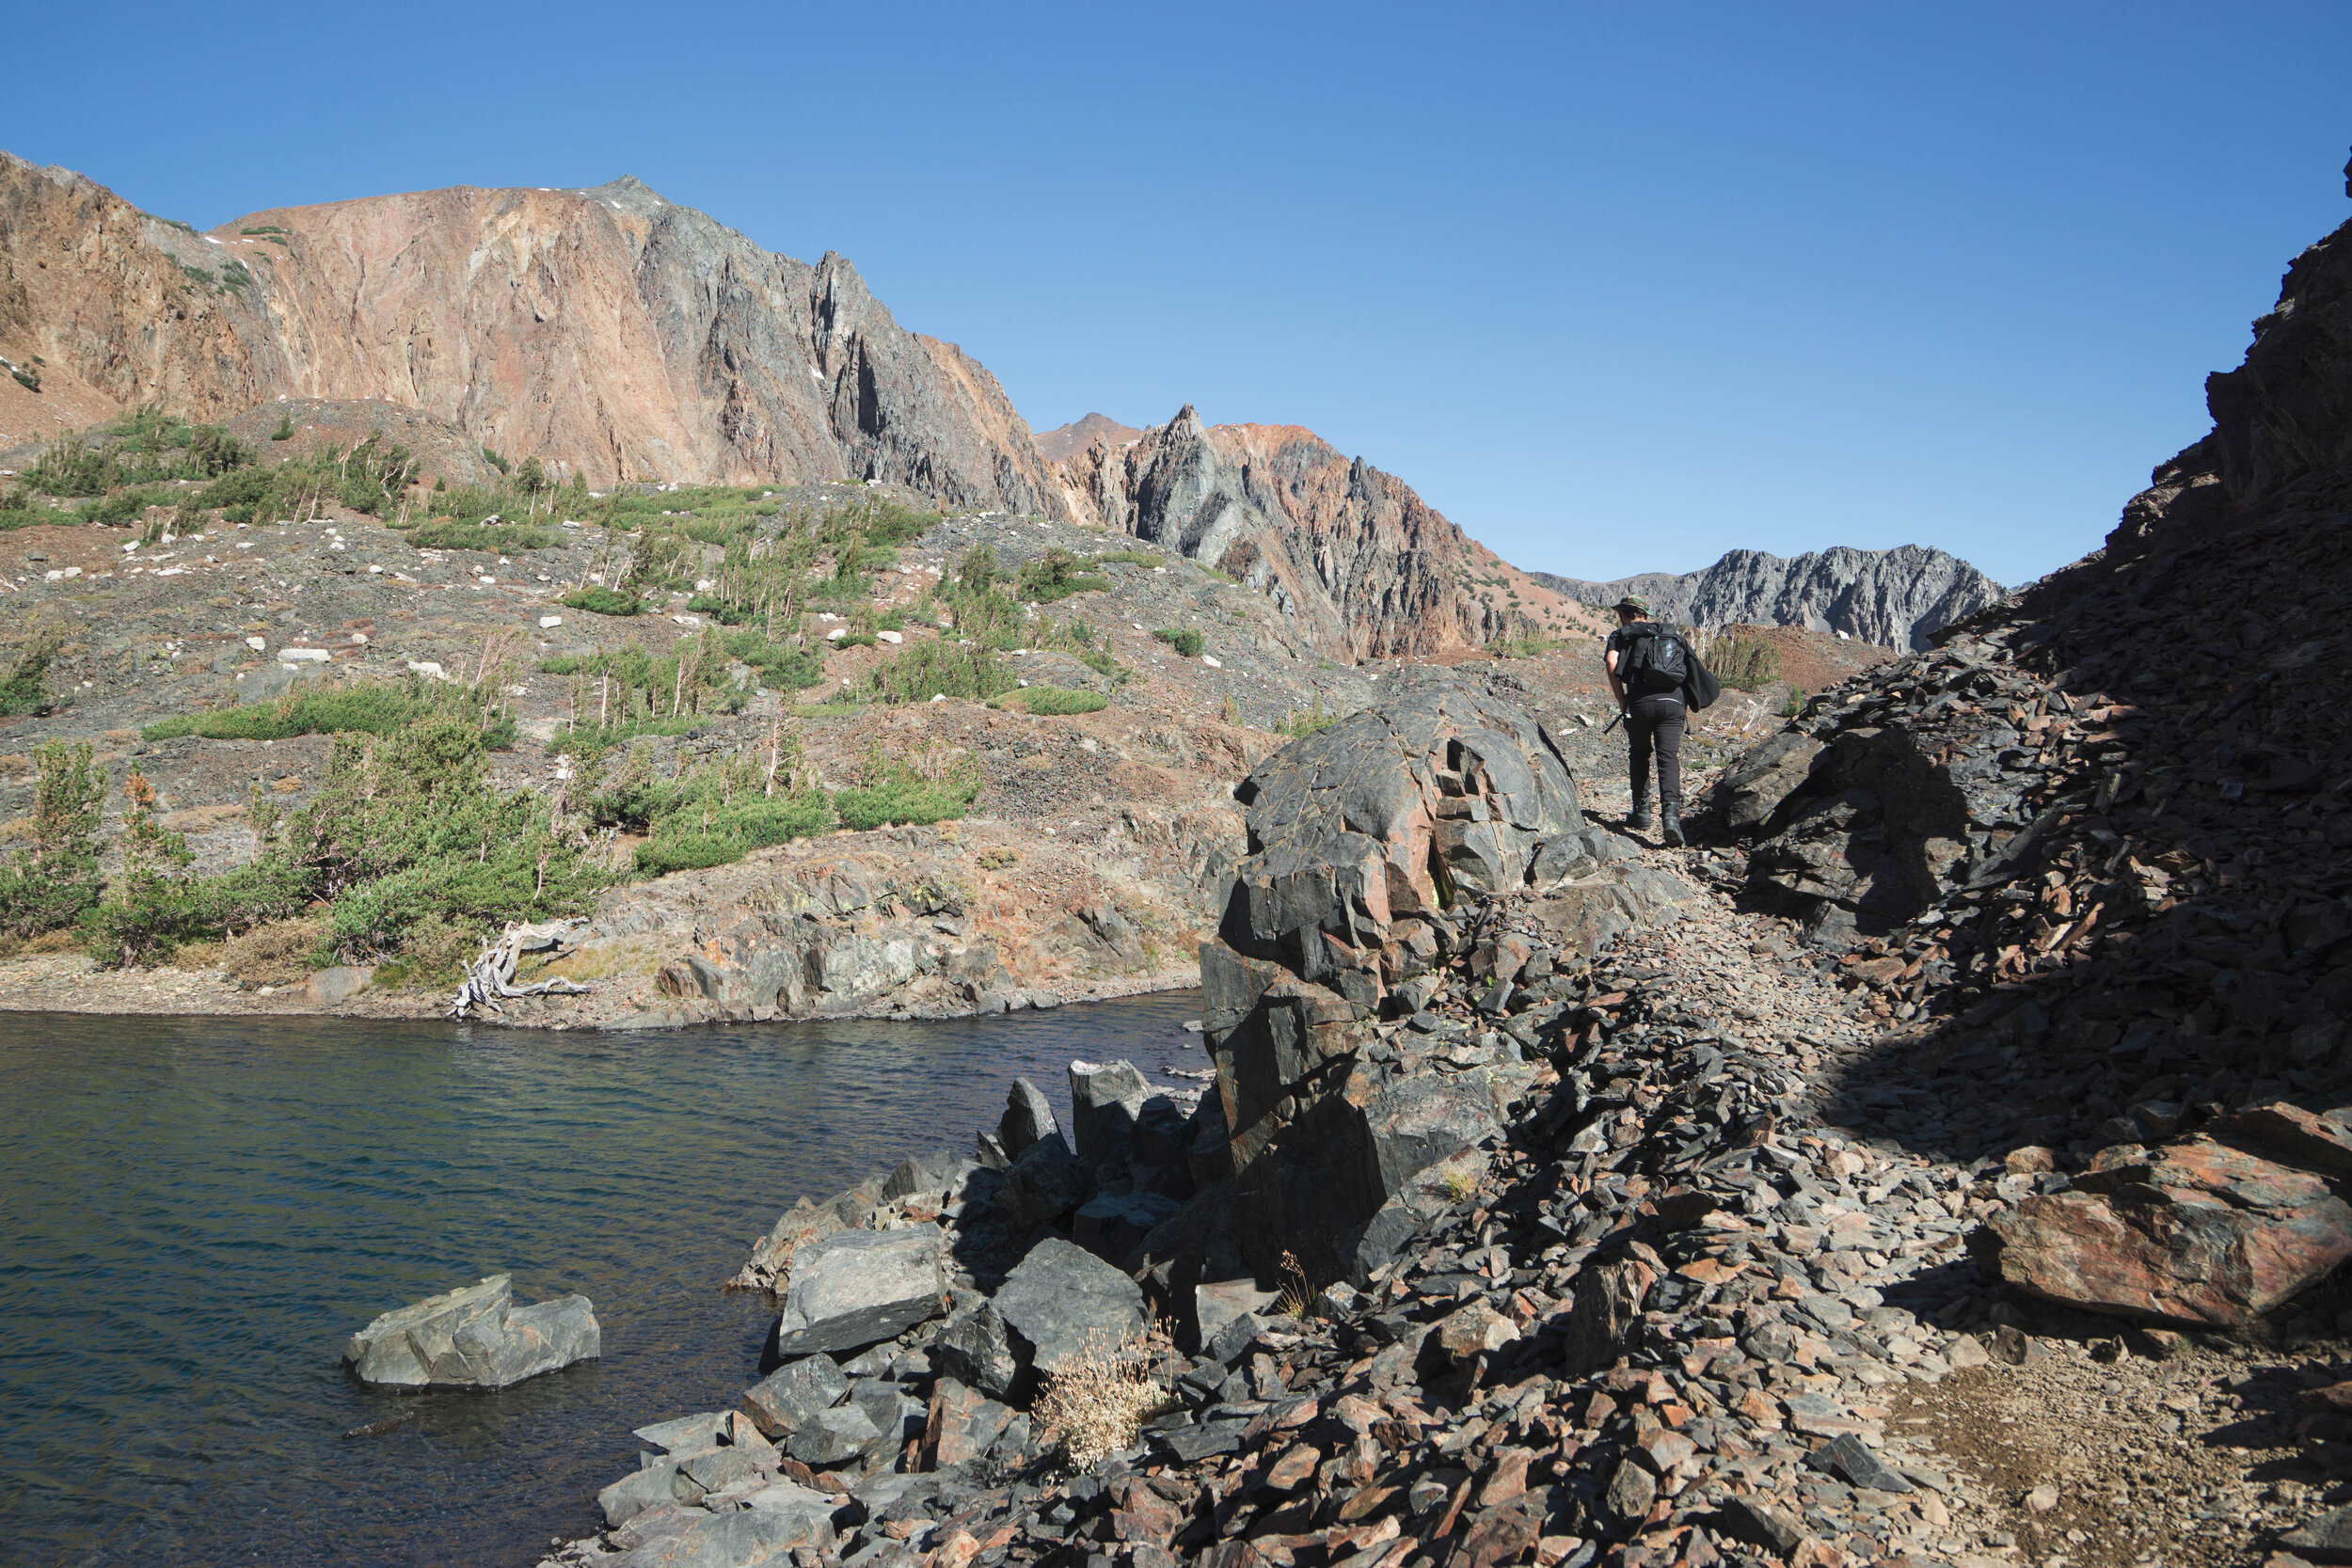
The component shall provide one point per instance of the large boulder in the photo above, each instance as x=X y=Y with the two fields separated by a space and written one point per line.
x=2196 y=1233
x=1345 y=1183
x=1386 y=818
x=474 y=1338
x=857 y=1288
x=1063 y=1302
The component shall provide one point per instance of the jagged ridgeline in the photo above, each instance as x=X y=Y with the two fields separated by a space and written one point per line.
x=1897 y=598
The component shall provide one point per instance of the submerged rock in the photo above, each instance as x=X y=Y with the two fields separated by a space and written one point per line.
x=474 y=1338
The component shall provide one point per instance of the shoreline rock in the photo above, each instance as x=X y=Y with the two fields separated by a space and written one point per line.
x=474 y=1338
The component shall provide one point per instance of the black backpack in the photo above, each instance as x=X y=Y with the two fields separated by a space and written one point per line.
x=1662 y=664
x=1655 y=665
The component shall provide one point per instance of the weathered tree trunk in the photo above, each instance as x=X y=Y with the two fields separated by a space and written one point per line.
x=492 y=976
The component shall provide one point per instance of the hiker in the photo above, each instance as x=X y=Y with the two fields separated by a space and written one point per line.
x=1657 y=680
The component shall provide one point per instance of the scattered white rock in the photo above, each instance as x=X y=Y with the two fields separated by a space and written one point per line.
x=889 y=637
x=257 y=643
x=548 y=622
x=303 y=656
x=836 y=634
x=1212 y=661
x=428 y=668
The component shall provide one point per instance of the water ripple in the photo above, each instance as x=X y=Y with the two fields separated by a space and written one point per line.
x=194 y=1213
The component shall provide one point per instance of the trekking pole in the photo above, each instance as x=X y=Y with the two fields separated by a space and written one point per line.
x=1614 y=723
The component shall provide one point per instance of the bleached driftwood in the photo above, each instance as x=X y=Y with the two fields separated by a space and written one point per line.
x=492 y=976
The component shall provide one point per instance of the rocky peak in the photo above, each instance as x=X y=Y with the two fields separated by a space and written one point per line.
x=1067 y=441
x=1896 y=598
x=1368 y=567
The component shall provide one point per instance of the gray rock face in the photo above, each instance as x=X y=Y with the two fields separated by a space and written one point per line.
x=339 y=984
x=1895 y=597
x=836 y=1436
x=1063 y=1301
x=1367 y=839
x=474 y=1338
x=856 y=1287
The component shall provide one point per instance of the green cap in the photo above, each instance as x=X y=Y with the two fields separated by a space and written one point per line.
x=1633 y=602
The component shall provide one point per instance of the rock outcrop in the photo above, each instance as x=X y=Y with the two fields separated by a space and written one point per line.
x=1370 y=843
x=607 y=331
x=1898 y=598
x=1368 y=567
x=474 y=1338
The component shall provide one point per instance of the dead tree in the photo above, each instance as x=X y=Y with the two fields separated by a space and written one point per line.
x=491 y=977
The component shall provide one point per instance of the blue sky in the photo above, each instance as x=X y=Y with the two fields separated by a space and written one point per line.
x=1616 y=289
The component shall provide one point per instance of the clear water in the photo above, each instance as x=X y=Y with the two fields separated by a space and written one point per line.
x=195 y=1212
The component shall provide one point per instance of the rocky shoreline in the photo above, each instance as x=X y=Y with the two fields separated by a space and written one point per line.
x=1647 y=1265
x=75 y=983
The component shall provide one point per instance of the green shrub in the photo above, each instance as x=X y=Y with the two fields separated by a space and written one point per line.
x=1132 y=558
x=601 y=601
x=1299 y=725
x=691 y=838
x=239 y=487
x=70 y=467
x=121 y=506
x=26 y=378
x=1743 y=663
x=53 y=881
x=448 y=533
x=285 y=427
x=1523 y=647
x=926 y=670
x=1053 y=701
x=932 y=787
x=371 y=708
x=1057 y=576
x=1186 y=641
x=494 y=460
x=591 y=741
x=25 y=690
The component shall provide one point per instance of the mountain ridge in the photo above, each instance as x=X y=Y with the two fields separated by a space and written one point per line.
x=1896 y=598
x=1356 y=553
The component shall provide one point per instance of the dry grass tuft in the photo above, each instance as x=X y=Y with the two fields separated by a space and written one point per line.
x=274 y=953
x=1095 y=1405
x=1297 y=1294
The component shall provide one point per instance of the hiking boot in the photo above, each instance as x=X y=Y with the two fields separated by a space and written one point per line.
x=1638 y=818
x=1670 y=828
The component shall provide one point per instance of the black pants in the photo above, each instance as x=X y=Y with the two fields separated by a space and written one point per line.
x=1659 y=721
